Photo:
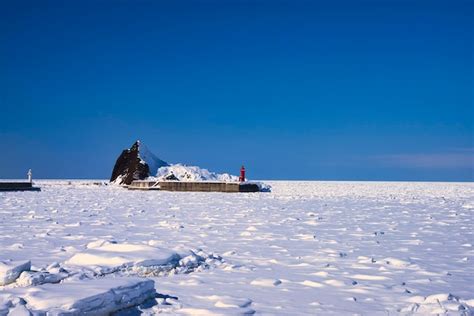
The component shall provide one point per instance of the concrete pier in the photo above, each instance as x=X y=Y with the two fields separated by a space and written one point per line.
x=18 y=186
x=194 y=186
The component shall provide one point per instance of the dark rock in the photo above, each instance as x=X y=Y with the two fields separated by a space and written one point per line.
x=131 y=166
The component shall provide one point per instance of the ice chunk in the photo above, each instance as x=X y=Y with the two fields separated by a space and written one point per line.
x=10 y=270
x=12 y=305
x=110 y=257
x=28 y=278
x=97 y=297
x=190 y=261
x=5 y=304
x=19 y=310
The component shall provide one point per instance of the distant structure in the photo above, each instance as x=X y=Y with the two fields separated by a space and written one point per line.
x=195 y=186
x=139 y=169
x=242 y=174
x=19 y=185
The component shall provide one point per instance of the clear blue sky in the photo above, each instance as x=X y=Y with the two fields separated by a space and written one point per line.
x=351 y=90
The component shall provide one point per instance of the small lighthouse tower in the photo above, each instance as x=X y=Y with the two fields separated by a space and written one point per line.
x=30 y=176
x=242 y=174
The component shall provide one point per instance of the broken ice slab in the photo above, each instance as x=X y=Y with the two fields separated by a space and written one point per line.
x=96 y=297
x=11 y=270
x=28 y=278
x=109 y=257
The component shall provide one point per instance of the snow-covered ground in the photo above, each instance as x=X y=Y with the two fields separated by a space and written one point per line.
x=314 y=248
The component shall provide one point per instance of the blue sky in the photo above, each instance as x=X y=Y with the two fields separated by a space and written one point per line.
x=327 y=90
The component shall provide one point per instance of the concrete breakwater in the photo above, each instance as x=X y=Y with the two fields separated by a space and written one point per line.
x=194 y=186
x=17 y=186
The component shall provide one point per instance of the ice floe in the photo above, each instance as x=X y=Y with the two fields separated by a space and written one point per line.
x=92 y=297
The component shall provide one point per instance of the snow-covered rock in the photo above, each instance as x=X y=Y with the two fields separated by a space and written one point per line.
x=191 y=173
x=11 y=270
x=136 y=163
x=79 y=297
x=139 y=163
x=109 y=257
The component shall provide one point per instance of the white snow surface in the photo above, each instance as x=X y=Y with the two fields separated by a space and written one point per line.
x=306 y=248
x=193 y=173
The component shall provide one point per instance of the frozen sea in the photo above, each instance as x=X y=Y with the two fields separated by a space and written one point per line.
x=306 y=248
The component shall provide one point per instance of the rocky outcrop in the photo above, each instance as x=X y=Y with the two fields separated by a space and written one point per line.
x=136 y=163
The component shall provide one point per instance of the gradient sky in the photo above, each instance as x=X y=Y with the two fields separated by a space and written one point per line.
x=324 y=90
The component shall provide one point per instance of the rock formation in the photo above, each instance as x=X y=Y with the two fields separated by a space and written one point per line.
x=136 y=163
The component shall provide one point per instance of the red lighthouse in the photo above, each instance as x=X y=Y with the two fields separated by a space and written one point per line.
x=242 y=174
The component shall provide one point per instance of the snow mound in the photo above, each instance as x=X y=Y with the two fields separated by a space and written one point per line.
x=109 y=257
x=105 y=257
x=192 y=173
x=229 y=305
x=11 y=270
x=265 y=282
x=93 y=297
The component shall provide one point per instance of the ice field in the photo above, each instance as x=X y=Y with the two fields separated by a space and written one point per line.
x=306 y=248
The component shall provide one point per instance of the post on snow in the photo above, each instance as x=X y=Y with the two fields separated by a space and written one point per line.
x=242 y=174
